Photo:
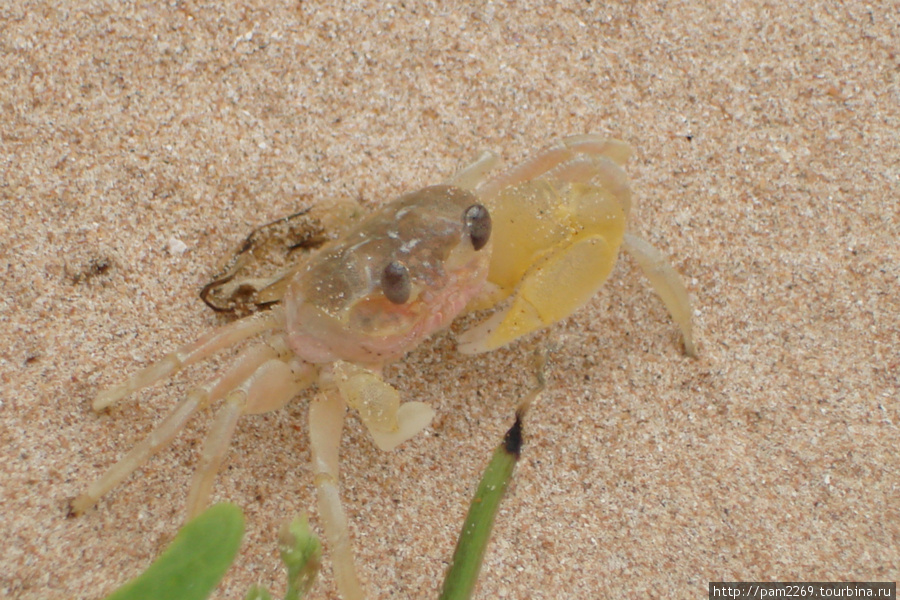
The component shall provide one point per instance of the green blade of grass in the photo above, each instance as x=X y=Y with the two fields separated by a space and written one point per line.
x=469 y=554
x=194 y=562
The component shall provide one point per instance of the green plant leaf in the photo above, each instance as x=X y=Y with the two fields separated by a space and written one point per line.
x=194 y=562
x=301 y=553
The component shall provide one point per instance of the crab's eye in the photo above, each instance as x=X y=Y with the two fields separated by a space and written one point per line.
x=478 y=224
x=395 y=282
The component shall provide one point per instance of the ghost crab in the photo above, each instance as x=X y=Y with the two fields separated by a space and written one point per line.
x=555 y=222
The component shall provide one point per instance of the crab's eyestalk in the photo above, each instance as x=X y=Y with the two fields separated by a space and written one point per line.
x=395 y=282
x=478 y=224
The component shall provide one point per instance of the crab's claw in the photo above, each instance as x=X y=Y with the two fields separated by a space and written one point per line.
x=559 y=222
x=555 y=243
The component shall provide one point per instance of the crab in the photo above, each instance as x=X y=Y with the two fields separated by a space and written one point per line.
x=390 y=280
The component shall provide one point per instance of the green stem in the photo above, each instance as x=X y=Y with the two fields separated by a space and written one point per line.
x=463 y=573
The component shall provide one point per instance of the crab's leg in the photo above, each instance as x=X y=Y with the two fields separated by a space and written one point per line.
x=667 y=283
x=378 y=405
x=209 y=344
x=473 y=174
x=326 y=421
x=217 y=440
x=269 y=387
x=246 y=363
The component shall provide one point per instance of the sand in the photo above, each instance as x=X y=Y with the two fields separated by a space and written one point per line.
x=139 y=143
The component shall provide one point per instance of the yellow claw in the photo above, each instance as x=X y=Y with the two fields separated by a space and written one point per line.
x=537 y=304
x=557 y=233
x=560 y=248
